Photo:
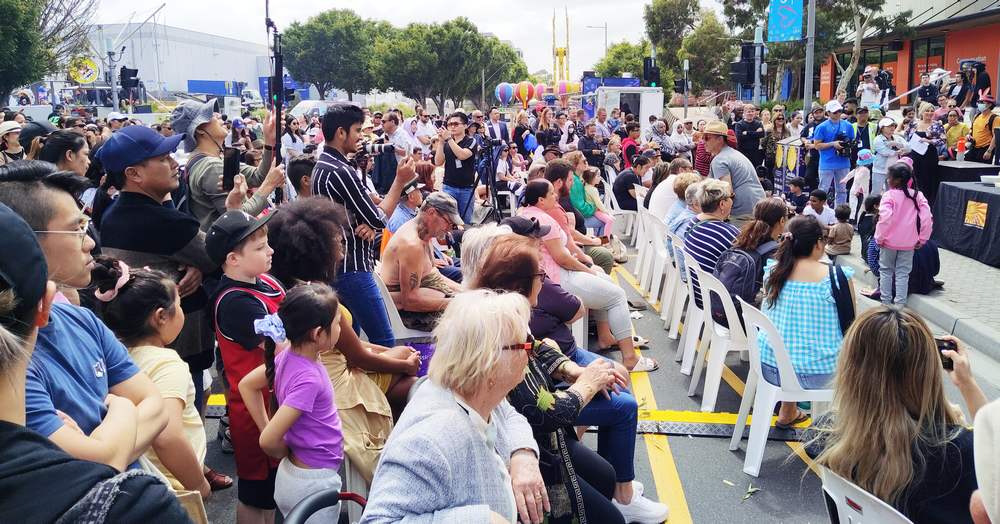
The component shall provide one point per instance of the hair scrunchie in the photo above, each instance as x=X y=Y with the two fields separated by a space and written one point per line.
x=270 y=326
x=109 y=295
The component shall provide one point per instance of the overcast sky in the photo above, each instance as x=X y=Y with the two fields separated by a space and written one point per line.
x=526 y=23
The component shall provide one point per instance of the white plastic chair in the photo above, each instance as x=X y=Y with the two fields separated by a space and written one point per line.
x=855 y=505
x=628 y=217
x=354 y=482
x=400 y=331
x=579 y=329
x=678 y=290
x=647 y=251
x=764 y=395
x=508 y=198
x=660 y=258
x=723 y=340
x=694 y=320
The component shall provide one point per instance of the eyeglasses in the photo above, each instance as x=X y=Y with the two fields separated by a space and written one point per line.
x=540 y=275
x=454 y=124
x=80 y=125
x=81 y=232
x=528 y=346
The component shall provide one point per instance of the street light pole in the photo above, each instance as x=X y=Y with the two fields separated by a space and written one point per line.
x=605 y=28
x=758 y=44
x=686 y=87
x=810 y=51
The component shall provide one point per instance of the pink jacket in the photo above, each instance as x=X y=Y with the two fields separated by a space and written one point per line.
x=897 y=221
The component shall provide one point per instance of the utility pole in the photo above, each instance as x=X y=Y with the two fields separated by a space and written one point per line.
x=687 y=87
x=605 y=28
x=810 y=51
x=482 y=85
x=758 y=45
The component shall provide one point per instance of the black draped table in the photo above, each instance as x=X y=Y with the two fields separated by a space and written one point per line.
x=967 y=220
x=962 y=171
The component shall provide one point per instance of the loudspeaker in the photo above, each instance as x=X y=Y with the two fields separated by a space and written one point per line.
x=741 y=72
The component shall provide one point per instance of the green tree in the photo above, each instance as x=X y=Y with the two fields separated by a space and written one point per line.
x=866 y=16
x=710 y=48
x=405 y=61
x=23 y=57
x=64 y=25
x=458 y=42
x=623 y=57
x=497 y=62
x=333 y=49
x=666 y=23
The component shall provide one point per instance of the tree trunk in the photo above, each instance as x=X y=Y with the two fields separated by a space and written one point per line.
x=350 y=95
x=439 y=101
x=860 y=26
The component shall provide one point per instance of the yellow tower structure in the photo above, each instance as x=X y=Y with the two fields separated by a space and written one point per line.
x=560 y=55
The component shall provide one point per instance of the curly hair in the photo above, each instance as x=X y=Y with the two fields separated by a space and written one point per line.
x=307 y=237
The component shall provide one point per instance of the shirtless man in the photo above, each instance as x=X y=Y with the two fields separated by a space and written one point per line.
x=418 y=289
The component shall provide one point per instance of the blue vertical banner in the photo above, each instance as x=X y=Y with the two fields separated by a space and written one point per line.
x=784 y=24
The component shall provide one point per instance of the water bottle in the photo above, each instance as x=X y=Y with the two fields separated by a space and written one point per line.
x=960 y=156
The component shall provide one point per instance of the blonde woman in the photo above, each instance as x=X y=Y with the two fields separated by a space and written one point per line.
x=548 y=133
x=428 y=474
x=891 y=430
x=925 y=166
x=521 y=131
x=613 y=157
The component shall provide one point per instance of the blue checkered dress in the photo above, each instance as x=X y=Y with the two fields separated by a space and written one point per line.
x=806 y=317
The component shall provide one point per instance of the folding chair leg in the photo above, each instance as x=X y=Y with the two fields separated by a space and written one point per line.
x=675 y=322
x=749 y=391
x=699 y=363
x=763 y=405
x=691 y=341
x=657 y=279
x=713 y=374
x=667 y=298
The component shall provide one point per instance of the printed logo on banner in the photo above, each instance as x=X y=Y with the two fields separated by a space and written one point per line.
x=784 y=23
x=975 y=214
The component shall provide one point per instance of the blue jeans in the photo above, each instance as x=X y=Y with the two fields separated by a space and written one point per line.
x=466 y=202
x=829 y=177
x=821 y=381
x=595 y=223
x=615 y=420
x=359 y=294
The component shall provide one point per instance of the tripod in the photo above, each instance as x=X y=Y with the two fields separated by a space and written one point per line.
x=488 y=177
x=277 y=88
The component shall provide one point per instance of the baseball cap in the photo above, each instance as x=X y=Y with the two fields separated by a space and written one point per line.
x=229 y=230
x=132 y=145
x=863 y=109
x=986 y=439
x=886 y=122
x=22 y=268
x=716 y=127
x=866 y=157
x=524 y=226
x=115 y=115
x=444 y=203
x=187 y=116
x=833 y=106
x=33 y=130
x=412 y=186
x=552 y=149
x=238 y=123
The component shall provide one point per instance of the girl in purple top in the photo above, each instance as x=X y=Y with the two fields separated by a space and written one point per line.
x=303 y=429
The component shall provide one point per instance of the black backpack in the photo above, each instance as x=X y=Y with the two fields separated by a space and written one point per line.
x=742 y=273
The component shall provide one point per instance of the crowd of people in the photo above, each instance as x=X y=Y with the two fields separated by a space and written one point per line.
x=134 y=270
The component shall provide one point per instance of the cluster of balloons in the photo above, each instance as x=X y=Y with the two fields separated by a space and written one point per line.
x=525 y=91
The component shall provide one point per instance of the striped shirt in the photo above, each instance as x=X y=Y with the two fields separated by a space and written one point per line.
x=335 y=178
x=705 y=241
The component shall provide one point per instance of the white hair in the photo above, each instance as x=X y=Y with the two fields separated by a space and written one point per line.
x=470 y=336
x=475 y=243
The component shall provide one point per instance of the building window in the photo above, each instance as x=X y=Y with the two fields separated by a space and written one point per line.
x=928 y=55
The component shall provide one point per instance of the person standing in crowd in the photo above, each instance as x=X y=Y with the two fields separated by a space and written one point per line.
x=864 y=131
x=202 y=132
x=749 y=132
x=779 y=132
x=497 y=129
x=833 y=140
x=868 y=89
x=337 y=179
x=927 y=92
x=425 y=133
x=794 y=124
x=111 y=413
x=291 y=143
x=10 y=146
x=75 y=488
x=925 y=166
x=982 y=139
x=521 y=132
x=887 y=150
x=961 y=91
x=299 y=425
x=918 y=457
x=797 y=299
x=816 y=117
x=300 y=176
x=729 y=166
x=904 y=225
x=630 y=145
x=462 y=474
x=68 y=150
x=457 y=153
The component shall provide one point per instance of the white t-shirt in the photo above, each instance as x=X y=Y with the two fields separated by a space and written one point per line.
x=291 y=148
x=663 y=198
x=400 y=139
x=826 y=218
x=425 y=129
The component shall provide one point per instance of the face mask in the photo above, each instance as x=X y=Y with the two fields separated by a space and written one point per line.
x=982 y=107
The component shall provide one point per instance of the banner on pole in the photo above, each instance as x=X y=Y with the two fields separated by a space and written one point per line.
x=784 y=23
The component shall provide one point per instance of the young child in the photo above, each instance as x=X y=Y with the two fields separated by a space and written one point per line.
x=866 y=222
x=246 y=293
x=795 y=196
x=304 y=431
x=817 y=208
x=838 y=238
x=904 y=224
x=862 y=177
x=143 y=309
x=590 y=178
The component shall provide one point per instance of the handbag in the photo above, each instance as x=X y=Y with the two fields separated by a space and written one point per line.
x=841 y=291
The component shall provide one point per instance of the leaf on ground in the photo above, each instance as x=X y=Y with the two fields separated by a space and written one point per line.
x=750 y=492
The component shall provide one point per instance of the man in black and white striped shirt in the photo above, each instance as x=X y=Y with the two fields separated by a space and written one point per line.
x=337 y=178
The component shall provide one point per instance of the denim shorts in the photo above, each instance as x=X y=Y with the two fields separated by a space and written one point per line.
x=821 y=381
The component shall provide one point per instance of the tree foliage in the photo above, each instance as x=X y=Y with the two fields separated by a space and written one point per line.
x=497 y=62
x=710 y=49
x=63 y=25
x=867 y=20
x=623 y=57
x=403 y=60
x=333 y=50
x=667 y=21
x=24 y=58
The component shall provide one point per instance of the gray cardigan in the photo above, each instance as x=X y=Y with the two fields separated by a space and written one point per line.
x=437 y=467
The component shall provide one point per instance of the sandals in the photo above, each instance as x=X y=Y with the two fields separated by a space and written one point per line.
x=800 y=417
x=635 y=306
x=218 y=481
x=645 y=364
x=637 y=341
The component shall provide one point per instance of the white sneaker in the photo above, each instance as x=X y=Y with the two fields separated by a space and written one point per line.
x=637 y=488
x=642 y=510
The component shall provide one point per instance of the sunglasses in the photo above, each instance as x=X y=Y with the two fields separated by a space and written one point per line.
x=454 y=124
x=527 y=346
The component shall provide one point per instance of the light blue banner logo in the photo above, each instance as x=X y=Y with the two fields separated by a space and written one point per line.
x=785 y=21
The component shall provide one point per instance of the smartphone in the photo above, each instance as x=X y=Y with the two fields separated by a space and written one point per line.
x=942 y=345
x=230 y=167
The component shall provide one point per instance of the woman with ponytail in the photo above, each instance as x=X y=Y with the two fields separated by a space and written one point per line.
x=799 y=300
x=143 y=309
x=769 y=218
x=302 y=427
x=904 y=225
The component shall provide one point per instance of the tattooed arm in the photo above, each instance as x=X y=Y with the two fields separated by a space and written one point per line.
x=412 y=266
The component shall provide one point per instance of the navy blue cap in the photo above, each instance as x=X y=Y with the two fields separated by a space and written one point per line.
x=22 y=268
x=133 y=144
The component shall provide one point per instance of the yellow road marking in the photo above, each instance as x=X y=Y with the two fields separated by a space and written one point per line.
x=699 y=417
x=669 y=489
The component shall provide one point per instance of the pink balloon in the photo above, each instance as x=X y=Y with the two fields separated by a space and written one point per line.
x=540 y=90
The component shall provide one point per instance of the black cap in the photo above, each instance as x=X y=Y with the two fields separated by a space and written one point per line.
x=22 y=268
x=524 y=226
x=32 y=130
x=229 y=230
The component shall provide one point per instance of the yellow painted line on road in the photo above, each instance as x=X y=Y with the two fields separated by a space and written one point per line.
x=669 y=489
x=699 y=417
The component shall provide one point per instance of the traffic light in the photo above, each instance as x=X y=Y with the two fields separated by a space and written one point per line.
x=680 y=86
x=650 y=72
x=289 y=93
x=128 y=77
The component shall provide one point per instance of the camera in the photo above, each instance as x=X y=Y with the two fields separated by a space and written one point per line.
x=847 y=145
x=494 y=142
x=376 y=149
